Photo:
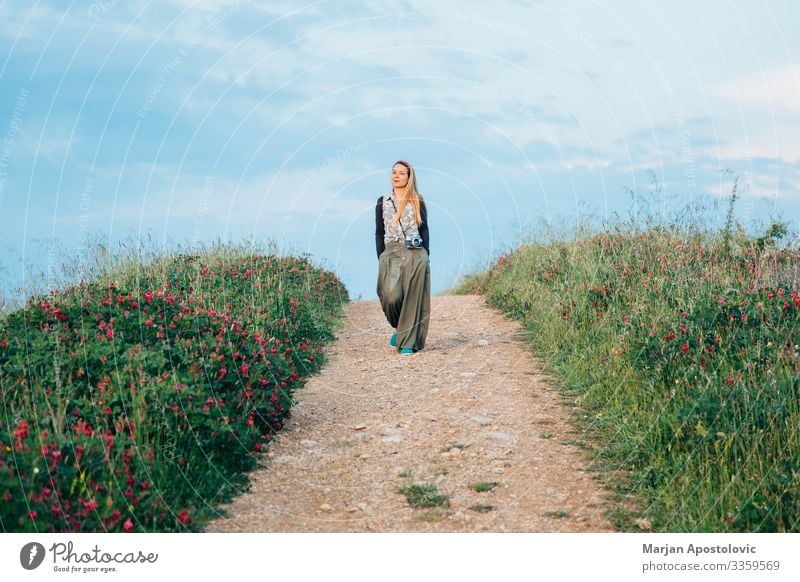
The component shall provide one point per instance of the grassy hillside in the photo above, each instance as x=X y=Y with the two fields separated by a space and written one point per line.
x=680 y=354
x=138 y=401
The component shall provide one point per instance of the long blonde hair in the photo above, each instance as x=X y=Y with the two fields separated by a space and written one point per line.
x=409 y=194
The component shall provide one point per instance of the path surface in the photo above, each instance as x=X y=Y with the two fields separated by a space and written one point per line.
x=472 y=407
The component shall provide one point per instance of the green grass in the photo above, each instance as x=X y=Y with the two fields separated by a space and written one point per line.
x=424 y=495
x=483 y=486
x=434 y=515
x=678 y=353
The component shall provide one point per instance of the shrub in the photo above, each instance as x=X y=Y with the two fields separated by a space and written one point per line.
x=681 y=352
x=138 y=403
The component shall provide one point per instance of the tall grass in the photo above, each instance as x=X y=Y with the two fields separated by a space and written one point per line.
x=679 y=350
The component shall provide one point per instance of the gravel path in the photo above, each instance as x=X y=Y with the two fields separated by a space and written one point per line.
x=473 y=407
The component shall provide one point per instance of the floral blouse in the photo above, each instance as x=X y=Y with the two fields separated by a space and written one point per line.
x=392 y=230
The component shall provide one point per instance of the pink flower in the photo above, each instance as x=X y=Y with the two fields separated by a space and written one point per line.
x=128 y=525
x=184 y=517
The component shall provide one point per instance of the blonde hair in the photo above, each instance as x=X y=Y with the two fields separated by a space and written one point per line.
x=409 y=194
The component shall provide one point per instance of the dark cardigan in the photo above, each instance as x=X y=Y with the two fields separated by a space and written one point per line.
x=380 y=246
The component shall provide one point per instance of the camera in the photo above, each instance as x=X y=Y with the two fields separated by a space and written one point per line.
x=414 y=242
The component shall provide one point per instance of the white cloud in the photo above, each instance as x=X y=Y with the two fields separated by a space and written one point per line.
x=778 y=142
x=775 y=91
x=765 y=186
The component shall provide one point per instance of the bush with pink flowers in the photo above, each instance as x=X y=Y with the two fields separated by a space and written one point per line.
x=681 y=352
x=138 y=402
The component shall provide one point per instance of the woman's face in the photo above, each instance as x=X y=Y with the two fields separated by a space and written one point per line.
x=399 y=176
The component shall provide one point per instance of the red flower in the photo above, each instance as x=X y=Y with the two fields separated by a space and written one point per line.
x=33 y=514
x=21 y=432
x=184 y=517
x=128 y=525
x=3 y=344
x=684 y=348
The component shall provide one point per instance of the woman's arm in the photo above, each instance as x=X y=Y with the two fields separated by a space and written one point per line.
x=423 y=228
x=380 y=246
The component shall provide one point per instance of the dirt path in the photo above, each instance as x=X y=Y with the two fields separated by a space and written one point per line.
x=472 y=407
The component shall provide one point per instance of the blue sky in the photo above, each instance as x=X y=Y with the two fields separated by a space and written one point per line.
x=189 y=120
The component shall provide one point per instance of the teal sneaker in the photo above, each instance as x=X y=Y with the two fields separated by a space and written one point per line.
x=406 y=352
x=393 y=340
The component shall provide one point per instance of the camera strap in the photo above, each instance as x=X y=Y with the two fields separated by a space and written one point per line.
x=399 y=221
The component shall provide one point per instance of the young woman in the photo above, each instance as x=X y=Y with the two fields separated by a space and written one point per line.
x=403 y=246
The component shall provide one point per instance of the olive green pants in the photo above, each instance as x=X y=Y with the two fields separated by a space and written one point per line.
x=404 y=289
